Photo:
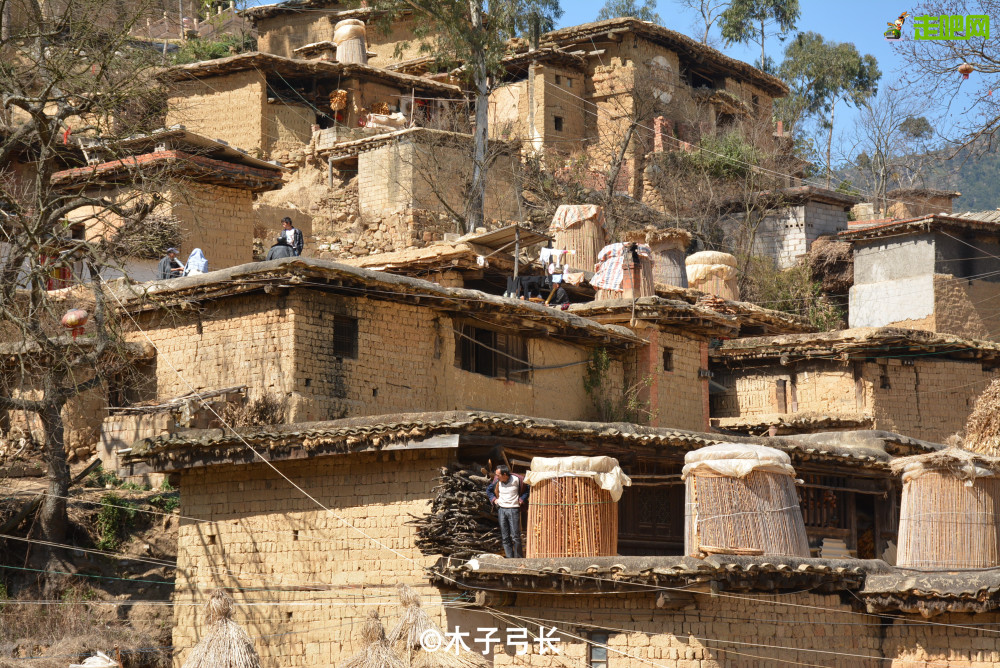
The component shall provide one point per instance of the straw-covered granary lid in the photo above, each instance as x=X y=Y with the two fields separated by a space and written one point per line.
x=736 y=460
x=652 y=235
x=958 y=462
x=710 y=257
x=602 y=470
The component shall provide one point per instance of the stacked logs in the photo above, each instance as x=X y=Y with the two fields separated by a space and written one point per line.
x=461 y=524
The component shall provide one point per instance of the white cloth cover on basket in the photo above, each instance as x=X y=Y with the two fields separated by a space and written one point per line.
x=737 y=460
x=602 y=470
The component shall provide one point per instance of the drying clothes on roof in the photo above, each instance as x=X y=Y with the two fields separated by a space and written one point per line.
x=613 y=259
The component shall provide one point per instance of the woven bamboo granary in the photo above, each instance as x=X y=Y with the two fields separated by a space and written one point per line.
x=579 y=228
x=669 y=247
x=741 y=499
x=624 y=271
x=714 y=273
x=573 y=511
x=948 y=517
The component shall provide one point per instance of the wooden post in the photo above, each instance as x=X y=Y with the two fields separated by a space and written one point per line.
x=517 y=248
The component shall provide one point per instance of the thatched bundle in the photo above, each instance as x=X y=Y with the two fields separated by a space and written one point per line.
x=226 y=645
x=414 y=622
x=982 y=431
x=378 y=652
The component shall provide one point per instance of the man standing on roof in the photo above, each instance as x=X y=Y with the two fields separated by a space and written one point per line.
x=292 y=235
x=508 y=492
x=170 y=266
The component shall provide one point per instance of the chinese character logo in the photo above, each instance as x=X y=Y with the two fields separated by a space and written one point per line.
x=951 y=27
x=895 y=30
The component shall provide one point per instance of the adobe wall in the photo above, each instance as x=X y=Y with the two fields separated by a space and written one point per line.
x=406 y=363
x=734 y=630
x=246 y=341
x=218 y=220
x=926 y=397
x=228 y=107
x=265 y=538
x=284 y=33
x=967 y=308
x=675 y=397
x=289 y=129
x=949 y=640
x=430 y=173
x=82 y=416
x=562 y=91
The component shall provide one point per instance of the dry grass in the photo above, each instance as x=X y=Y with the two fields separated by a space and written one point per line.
x=265 y=410
x=226 y=645
x=377 y=653
x=54 y=636
x=415 y=621
x=982 y=431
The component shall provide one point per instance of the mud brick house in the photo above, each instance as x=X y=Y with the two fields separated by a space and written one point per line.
x=913 y=382
x=286 y=27
x=245 y=527
x=338 y=341
x=423 y=169
x=207 y=187
x=905 y=203
x=580 y=89
x=270 y=105
x=937 y=273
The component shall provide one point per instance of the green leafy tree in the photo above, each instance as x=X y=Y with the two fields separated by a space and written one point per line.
x=615 y=8
x=749 y=21
x=459 y=31
x=821 y=75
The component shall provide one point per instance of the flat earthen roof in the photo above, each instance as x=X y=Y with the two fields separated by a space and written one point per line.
x=985 y=222
x=297 y=67
x=335 y=277
x=863 y=450
x=858 y=343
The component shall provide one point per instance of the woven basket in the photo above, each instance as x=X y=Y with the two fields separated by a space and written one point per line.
x=571 y=517
x=714 y=273
x=946 y=523
x=579 y=228
x=753 y=511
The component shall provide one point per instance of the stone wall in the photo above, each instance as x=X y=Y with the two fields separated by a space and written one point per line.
x=284 y=33
x=265 y=538
x=228 y=107
x=928 y=398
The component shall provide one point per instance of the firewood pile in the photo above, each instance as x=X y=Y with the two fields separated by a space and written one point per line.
x=716 y=304
x=461 y=523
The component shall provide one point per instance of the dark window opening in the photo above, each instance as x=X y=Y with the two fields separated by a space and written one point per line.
x=78 y=232
x=345 y=336
x=725 y=120
x=755 y=100
x=883 y=378
x=558 y=122
x=493 y=354
x=668 y=359
x=133 y=386
x=558 y=79
x=597 y=652
x=569 y=82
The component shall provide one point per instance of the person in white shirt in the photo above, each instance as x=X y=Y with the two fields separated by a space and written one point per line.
x=508 y=492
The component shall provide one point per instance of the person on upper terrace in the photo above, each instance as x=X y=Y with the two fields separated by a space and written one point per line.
x=280 y=249
x=170 y=266
x=508 y=492
x=292 y=235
